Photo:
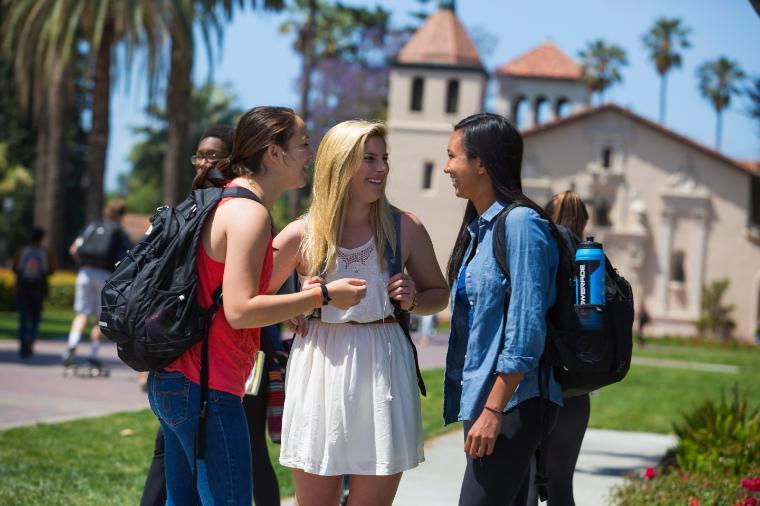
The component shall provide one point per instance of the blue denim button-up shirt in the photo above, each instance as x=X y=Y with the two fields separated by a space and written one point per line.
x=476 y=351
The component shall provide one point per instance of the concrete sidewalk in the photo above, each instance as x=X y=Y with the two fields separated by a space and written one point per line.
x=606 y=457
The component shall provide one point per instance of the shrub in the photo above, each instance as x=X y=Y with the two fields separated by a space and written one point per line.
x=719 y=437
x=717 y=460
x=715 y=318
x=682 y=488
x=60 y=294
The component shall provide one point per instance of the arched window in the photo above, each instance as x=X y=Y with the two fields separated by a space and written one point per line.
x=427 y=176
x=452 y=96
x=562 y=108
x=520 y=110
x=677 y=272
x=541 y=110
x=418 y=88
x=606 y=157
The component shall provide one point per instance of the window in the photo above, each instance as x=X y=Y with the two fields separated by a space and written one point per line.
x=541 y=108
x=677 y=272
x=520 y=112
x=602 y=214
x=562 y=108
x=754 y=202
x=427 y=176
x=606 y=157
x=452 y=96
x=418 y=87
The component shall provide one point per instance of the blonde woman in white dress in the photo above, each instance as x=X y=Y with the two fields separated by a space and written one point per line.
x=352 y=403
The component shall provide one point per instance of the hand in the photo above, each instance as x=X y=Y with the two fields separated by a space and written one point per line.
x=312 y=282
x=346 y=292
x=481 y=438
x=401 y=288
x=298 y=324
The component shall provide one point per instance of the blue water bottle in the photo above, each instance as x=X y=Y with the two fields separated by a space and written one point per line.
x=590 y=294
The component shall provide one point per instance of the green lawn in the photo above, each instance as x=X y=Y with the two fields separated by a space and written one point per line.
x=55 y=324
x=651 y=398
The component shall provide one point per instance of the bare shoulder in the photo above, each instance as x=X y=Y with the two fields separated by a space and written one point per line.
x=411 y=226
x=244 y=215
x=292 y=233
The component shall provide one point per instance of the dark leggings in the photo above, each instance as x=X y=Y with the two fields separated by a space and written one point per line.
x=501 y=479
x=564 y=446
x=266 y=490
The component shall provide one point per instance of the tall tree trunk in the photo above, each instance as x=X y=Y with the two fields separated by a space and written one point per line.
x=178 y=96
x=297 y=196
x=56 y=101
x=663 y=97
x=719 y=129
x=97 y=142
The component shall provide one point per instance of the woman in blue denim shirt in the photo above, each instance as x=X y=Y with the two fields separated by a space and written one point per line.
x=492 y=365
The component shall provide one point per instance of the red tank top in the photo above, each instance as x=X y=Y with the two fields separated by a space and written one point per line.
x=230 y=351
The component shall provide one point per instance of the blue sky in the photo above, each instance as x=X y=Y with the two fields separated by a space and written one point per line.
x=259 y=64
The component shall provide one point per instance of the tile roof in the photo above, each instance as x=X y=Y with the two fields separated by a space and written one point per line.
x=441 y=40
x=746 y=167
x=546 y=60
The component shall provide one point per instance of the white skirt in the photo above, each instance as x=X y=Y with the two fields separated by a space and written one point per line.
x=351 y=401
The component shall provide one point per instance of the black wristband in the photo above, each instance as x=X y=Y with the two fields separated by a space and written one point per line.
x=325 y=295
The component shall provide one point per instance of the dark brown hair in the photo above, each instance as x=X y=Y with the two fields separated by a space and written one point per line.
x=258 y=129
x=567 y=208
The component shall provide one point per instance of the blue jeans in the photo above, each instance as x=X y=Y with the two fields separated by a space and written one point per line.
x=29 y=307
x=224 y=474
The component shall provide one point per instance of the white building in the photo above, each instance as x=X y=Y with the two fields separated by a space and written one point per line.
x=673 y=215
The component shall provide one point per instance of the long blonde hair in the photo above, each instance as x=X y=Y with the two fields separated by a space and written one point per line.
x=339 y=156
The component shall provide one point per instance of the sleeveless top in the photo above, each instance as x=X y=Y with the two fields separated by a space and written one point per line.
x=362 y=262
x=230 y=351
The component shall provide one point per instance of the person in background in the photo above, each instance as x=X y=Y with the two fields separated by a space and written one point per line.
x=569 y=213
x=33 y=264
x=100 y=246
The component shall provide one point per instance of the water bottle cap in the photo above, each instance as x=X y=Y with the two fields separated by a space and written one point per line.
x=589 y=243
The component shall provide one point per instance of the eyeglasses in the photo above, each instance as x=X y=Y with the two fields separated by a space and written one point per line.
x=211 y=158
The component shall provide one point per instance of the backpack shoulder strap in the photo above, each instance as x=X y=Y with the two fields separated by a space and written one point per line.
x=395 y=259
x=500 y=239
x=239 y=191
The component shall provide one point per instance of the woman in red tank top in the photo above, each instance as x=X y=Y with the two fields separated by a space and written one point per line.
x=270 y=153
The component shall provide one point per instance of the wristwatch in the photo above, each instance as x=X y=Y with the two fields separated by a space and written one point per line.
x=325 y=295
x=414 y=304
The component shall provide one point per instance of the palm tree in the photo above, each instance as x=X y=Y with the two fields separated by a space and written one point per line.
x=719 y=80
x=663 y=41
x=753 y=109
x=209 y=15
x=43 y=38
x=601 y=65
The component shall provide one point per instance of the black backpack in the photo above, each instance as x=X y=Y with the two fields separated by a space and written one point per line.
x=100 y=242
x=582 y=360
x=149 y=306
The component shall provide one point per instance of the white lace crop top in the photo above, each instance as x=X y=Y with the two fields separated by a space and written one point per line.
x=362 y=263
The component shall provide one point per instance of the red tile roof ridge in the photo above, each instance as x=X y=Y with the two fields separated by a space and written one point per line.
x=546 y=60
x=441 y=40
